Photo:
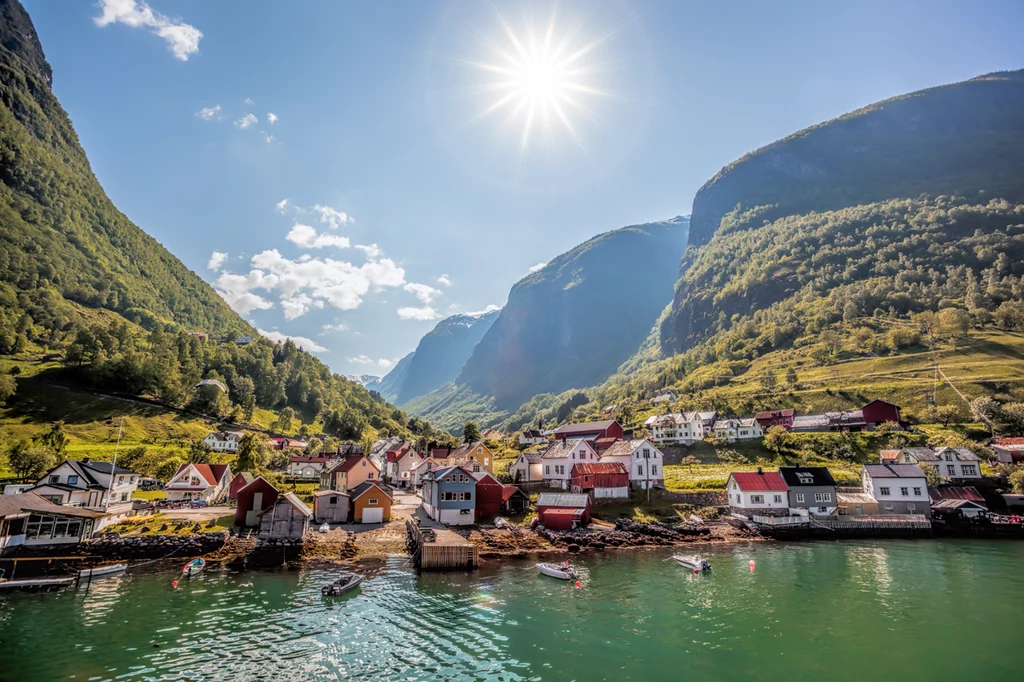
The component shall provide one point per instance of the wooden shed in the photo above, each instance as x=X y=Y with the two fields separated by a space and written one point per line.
x=252 y=500
x=241 y=479
x=563 y=511
x=857 y=504
x=371 y=503
x=287 y=518
x=331 y=506
x=488 y=496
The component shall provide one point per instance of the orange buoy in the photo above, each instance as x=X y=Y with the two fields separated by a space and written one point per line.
x=751 y=564
x=696 y=571
x=577 y=583
x=174 y=583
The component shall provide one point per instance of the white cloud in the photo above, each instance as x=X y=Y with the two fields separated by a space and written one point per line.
x=332 y=216
x=384 y=363
x=364 y=359
x=296 y=306
x=444 y=281
x=420 y=314
x=182 y=39
x=538 y=266
x=282 y=206
x=267 y=137
x=217 y=259
x=372 y=251
x=209 y=113
x=304 y=235
x=328 y=328
x=271 y=118
x=425 y=293
x=237 y=290
x=248 y=101
x=246 y=121
x=300 y=341
x=489 y=309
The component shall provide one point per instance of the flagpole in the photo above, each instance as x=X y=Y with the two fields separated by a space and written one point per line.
x=113 y=465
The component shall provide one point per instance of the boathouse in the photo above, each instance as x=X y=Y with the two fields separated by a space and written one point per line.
x=563 y=511
x=288 y=517
x=252 y=500
x=330 y=506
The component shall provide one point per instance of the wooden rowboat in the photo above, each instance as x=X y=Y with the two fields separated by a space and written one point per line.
x=102 y=570
x=193 y=567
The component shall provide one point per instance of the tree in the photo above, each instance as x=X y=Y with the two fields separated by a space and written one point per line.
x=985 y=408
x=688 y=462
x=956 y=323
x=252 y=452
x=1016 y=480
x=29 y=461
x=199 y=452
x=768 y=380
x=776 y=438
x=895 y=437
x=285 y=421
x=8 y=385
x=314 y=448
x=932 y=476
x=901 y=337
x=470 y=433
x=791 y=377
x=55 y=439
x=131 y=456
x=948 y=413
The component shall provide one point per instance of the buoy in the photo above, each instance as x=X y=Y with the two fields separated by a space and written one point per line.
x=696 y=571
x=751 y=564
x=174 y=584
x=577 y=583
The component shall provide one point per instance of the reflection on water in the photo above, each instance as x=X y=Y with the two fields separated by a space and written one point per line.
x=806 y=610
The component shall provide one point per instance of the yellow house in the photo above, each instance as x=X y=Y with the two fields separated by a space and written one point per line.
x=474 y=452
x=350 y=473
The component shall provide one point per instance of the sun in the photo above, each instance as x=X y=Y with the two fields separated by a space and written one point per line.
x=540 y=77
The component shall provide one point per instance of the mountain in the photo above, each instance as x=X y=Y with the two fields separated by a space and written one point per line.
x=568 y=325
x=391 y=383
x=369 y=381
x=441 y=353
x=899 y=187
x=127 y=317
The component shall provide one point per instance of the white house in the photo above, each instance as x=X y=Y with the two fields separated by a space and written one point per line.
x=400 y=463
x=560 y=457
x=223 y=441
x=950 y=463
x=666 y=397
x=683 y=428
x=421 y=469
x=99 y=486
x=642 y=460
x=207 y=482
x=731 y=430
x=27 y=519
x=898 y=488
x=531 y=437
x=528 y=469
x=301 y=466
x=758 y=492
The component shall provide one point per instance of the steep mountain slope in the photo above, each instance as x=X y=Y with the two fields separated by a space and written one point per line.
x=442 y=352
x=391 y=383
x=777 y=224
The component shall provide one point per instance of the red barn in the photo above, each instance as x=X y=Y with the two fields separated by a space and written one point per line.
x=776 y=418
x=602 y=479
x=489 y=493
x=253 y=499
x=878 y=412
x=590 y=430
x=563 y=511
x=240 y=480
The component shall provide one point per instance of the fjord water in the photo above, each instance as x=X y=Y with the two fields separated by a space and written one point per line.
x=831 y=611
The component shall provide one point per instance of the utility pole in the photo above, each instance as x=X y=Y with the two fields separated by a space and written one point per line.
x=113 y=465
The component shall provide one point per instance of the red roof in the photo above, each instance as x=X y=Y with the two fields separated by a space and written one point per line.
x=890 y=455
x=788 y=412
x=599 y=468
x=956 y=492
x=350 y=462
x=508 y=491
x=211 y=472
x=751 y=480
x=1008 y=441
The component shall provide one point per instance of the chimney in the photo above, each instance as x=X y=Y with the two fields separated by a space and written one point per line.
x=759 y=472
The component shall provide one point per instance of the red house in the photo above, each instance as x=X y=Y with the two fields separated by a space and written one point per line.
x=563 y=511
x=782 y=418
x=241 y=479
x=489 y=494
x=878 y=412
x=253 y=499
x=590 y=431
x=600 y=479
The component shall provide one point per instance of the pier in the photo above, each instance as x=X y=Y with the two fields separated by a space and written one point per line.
x=842 y=527
x=434 y=547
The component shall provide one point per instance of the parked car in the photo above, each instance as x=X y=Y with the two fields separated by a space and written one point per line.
x=196 y=504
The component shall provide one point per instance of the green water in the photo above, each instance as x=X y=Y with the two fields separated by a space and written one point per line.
x=824 y=611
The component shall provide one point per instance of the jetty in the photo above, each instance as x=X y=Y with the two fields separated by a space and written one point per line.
x=36 y=584
x=434 y=547
x=845 y=526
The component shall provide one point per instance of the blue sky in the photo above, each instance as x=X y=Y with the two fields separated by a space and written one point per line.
x=405 y=200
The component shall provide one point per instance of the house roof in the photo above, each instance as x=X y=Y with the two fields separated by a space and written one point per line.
x=955 y=492
x=593 y=468
x=363 y=487
x=464 y=450
x=1006 y=440
x=563 y=500
x=957 y=504
x=856 y=498
x=533 y=457
x=533 y=433
x=810 y=421
x=105 y=467
x=293 y=500
x=350 y=462
x=301 y=459
x=771 y=414
x=962 y=454
x=245 y=476
x=889 y=455
x=893 y=471
x=560 y=449
x=806 y=476
x=921 y=454
x=254 y=482
x=508 y=491
x=751 y=480
x=584 y=428
x=13 y=505
x=211 y=473
x=223 y=435
x=444 y=471
x=621 y=448
x=321 y=493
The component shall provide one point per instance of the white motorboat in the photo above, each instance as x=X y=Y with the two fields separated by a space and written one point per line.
x=560 y=571
x=102 y=570
x=693 y=562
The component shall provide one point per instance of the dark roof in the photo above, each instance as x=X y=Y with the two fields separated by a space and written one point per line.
x=366 y=485
x=894 y=471
x=105 y=467
x=533 y=433
x=12 y=505
x=532 y=456
x=586 y=427
x=955 y=492
x=806 y=476
x=769 y=414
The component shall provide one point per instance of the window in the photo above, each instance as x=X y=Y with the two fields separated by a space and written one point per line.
x=372 y=500
x=124 y=497
x=757 y=499
x=363 y=463
x=39 y=527
x=917 y=492
x=447 y=497
x=799 y=498
x=131 y=481
x=889 y=506
x=778 y=498
x=333 y=499
x=822 y=497
x=547 y=469
x=883 y=491
x=904 y=492
x=369 y=475
x=56 y=499
x=950 y=469
x=54 y=479
x=72 y=480
x=466 y=495
x=970 y=470
x=120 y=480
x=654 y=469
x=479 y=451
x=647 y=453
x=67 y=528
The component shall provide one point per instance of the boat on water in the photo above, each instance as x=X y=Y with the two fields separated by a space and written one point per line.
x=193 y=567
x=693 y=561
x=560 y=571
x=342 y=585
x=98 y=571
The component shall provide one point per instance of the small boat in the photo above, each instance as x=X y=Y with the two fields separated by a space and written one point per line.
x=102 y=570
x=193 y=567
x=695 y=562
x=342 y=585
x=560 y=571
x=324 y=528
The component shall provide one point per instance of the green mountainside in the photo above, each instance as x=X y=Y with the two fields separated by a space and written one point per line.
x=570 y=324
x=79 y=279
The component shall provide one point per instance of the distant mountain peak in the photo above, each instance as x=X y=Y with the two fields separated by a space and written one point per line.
x=18 y=35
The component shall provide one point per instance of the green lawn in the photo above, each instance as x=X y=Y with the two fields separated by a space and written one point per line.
x=149 y=495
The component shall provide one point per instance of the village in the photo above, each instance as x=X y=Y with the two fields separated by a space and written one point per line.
x=568 y=488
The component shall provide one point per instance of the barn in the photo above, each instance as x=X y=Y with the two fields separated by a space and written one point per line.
x=878 y=412
x=286 y=518
x=488 y=496
x=371 y=503
x=563 y=511
x=241 y=479
x=609 y=429
x=330 y=506
x=253 y=499
x=600 y=479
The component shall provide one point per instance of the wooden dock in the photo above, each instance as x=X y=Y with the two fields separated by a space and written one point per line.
x=843 y=527
x=36 y=584
x=445 y=551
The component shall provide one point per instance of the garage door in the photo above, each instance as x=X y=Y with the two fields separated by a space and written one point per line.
x=373 y=515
